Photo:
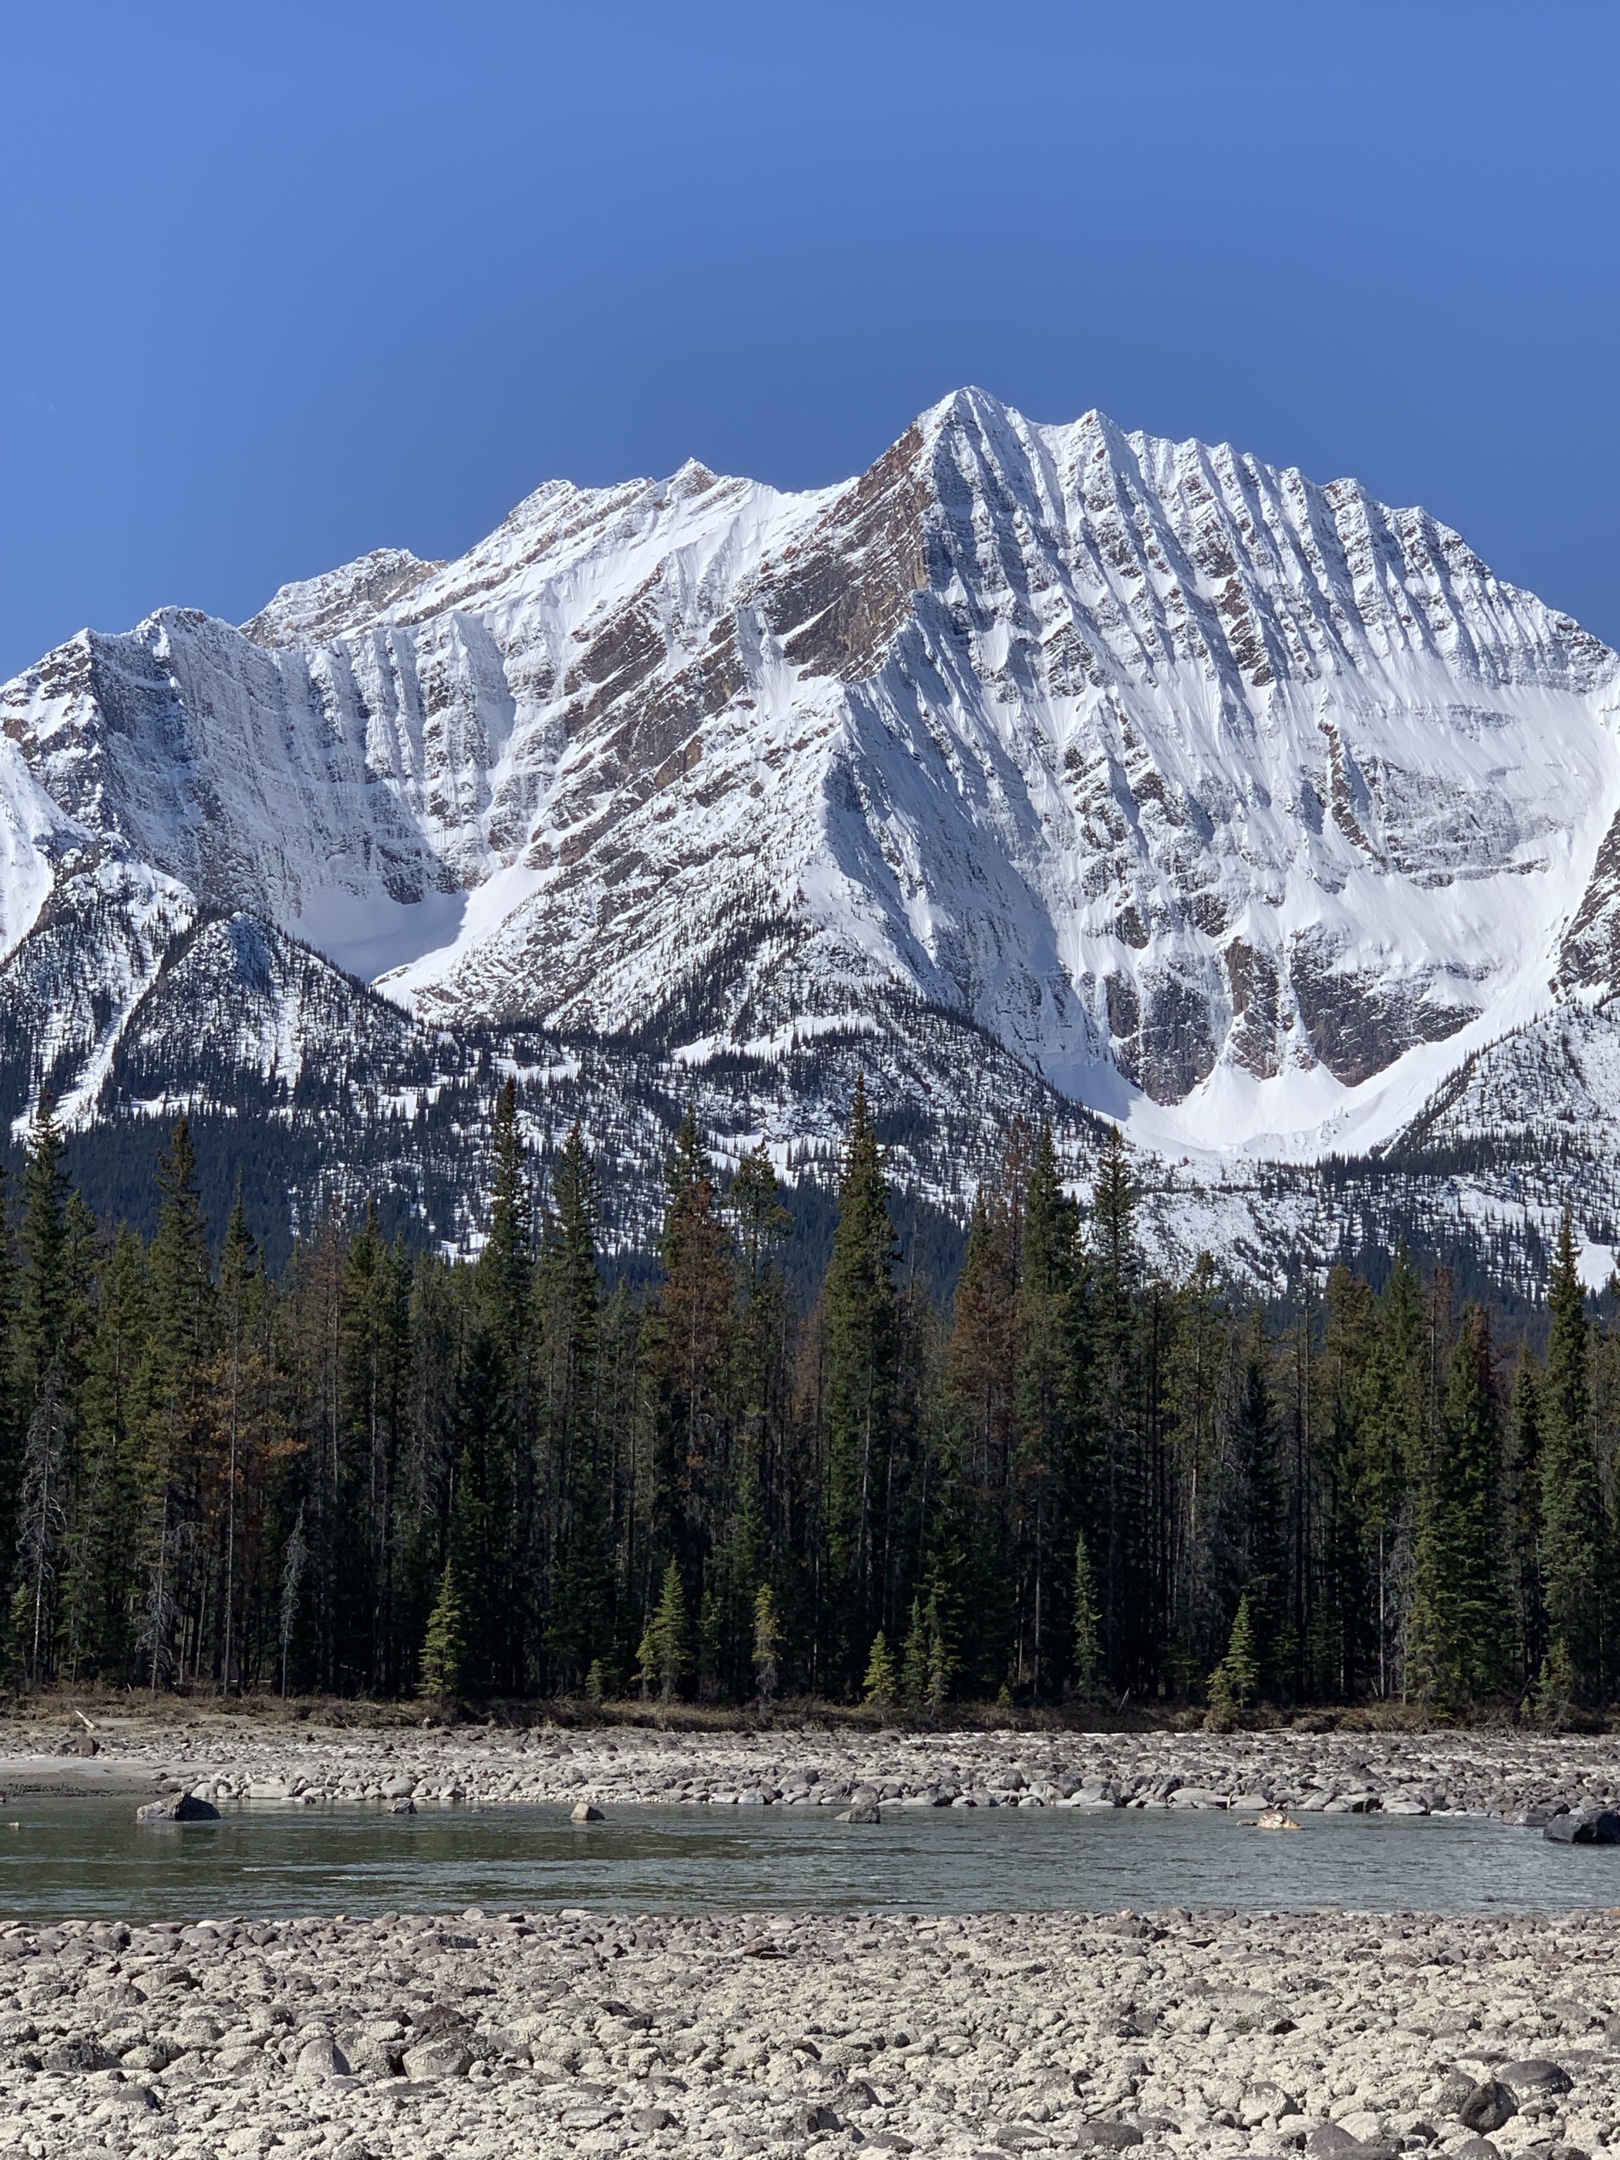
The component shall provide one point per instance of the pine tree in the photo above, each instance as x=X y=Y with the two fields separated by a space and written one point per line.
x=943 y=1662
x=1459 y=1628
x=176 y=1436
x=1233 y=1683
x=1572 y=1516
x=1087 y=1648
x=688 y=1346
x=1116 y=1521
x=767 y=1643
x=496 y=1498
x=103 y=1541
x=1261 y=1546
x=294 y=1561
x=569 y=1298
x=1524 y=1520
x=1050 y=1470
x=665 y=1654
x=443 y=1646
x=861 y=1335
x=882 y=1683
x=43 y=1319
x=914 y=1660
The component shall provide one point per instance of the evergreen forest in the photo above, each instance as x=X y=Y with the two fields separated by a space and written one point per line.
x=379 y=1472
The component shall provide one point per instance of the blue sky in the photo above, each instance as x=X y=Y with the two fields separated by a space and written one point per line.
x=284 y=282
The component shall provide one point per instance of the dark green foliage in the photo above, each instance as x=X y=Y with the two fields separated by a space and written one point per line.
x=860 y=1331
x=1459 y=1630
x=372 y=1470
x=1572 y=1518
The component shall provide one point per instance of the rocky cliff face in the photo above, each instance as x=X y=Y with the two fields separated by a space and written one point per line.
x=1246 y=809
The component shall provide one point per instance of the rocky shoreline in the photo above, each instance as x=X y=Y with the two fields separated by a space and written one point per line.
x=1339 y=2036
x=403 y=2038
x=1516 y=1777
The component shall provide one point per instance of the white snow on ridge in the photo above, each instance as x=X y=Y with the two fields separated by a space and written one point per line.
x=1245 y=810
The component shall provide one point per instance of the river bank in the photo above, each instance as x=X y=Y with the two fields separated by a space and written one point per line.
x=1508 y=1774
x=581 y=2033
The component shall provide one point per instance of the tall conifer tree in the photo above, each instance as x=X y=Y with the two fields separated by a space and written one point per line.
x=861 y=1335
x=1572 y=1520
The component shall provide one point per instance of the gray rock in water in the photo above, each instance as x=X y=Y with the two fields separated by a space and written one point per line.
x=1592 y=1826
x=445 y=2057
x=1535 y=2075
x=178 y=1807
x=584 y=1812
x=864 y=1811
x=1488 y=2106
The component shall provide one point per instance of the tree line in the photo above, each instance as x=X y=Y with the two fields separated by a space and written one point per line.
x=388 y=1472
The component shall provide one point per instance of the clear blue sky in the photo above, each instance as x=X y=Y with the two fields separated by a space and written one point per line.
x=283 y=281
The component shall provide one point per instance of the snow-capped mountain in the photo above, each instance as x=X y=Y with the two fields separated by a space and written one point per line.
x=1246 y=810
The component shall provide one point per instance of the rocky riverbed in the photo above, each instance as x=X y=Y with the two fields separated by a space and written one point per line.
x=1514 y=1776
x=582 y=2033
x=421 y=2037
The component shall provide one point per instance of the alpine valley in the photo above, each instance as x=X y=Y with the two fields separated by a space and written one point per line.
x=1041 y=772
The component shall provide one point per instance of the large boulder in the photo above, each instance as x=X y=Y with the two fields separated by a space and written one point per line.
x=1534 y=2077
x=1592 y=1826
x=321 y=2057
x=445 y=2057
x=1488 y=2106
x=178 y=1807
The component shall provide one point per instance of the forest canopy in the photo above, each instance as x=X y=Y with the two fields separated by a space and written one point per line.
x=389 y=1473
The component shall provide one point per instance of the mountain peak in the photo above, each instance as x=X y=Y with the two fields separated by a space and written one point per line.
x=315 y=611
x=1235 y=804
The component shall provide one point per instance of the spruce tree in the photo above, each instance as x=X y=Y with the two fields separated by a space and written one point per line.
x=1572 y=1516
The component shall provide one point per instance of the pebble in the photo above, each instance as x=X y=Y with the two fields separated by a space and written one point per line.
x=487 y=2033
x=1519 y=1777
